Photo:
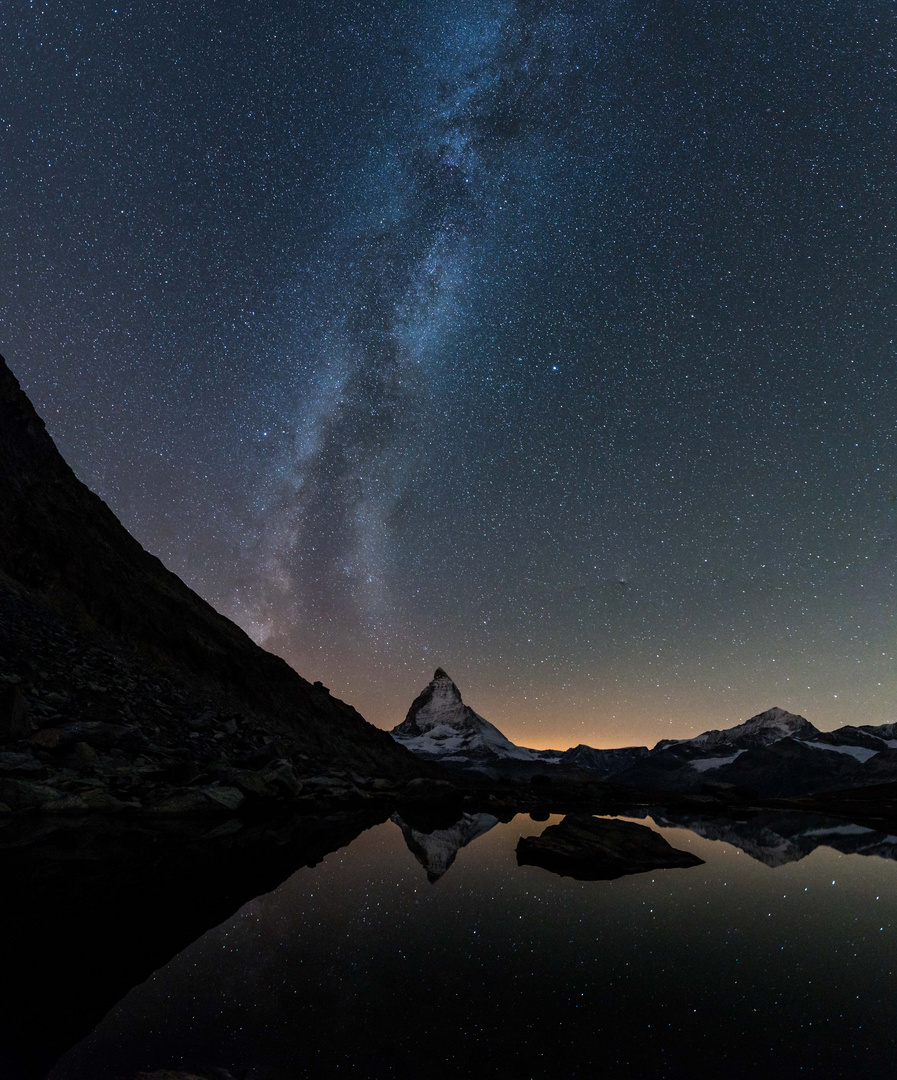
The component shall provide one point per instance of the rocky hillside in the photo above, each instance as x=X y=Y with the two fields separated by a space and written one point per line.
x=118 y=684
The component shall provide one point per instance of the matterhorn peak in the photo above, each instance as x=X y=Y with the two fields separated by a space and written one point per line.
x=439 y=704
x=440 y=725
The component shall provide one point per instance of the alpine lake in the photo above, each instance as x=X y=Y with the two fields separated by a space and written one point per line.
x=394 y=948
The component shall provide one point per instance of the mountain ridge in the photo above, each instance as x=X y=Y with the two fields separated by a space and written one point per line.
x=773 y=753
x=112 y=670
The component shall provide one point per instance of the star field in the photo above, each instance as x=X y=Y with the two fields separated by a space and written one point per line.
x=549 y=342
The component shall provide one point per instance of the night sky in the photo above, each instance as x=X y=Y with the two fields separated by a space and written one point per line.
x=549 y=342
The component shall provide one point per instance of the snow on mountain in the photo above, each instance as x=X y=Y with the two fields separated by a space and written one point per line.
x=761 y=730
x=774 y=753
x=861 y=753
x=439 y=725
x=703 y=764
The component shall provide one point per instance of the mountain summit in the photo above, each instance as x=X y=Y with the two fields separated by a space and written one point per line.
x=761 y=730
x=439 y=725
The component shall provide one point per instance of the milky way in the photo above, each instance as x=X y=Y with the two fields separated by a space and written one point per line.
x=548 y=342
x=381 y=360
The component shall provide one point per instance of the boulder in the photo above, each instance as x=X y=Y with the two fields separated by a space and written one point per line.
x=14 y=723
x=191 y=801
x=27 y=795
x=230 y=798
x=599 y=849
x=95 y=733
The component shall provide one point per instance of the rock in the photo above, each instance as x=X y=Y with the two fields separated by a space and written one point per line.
x=191 y=801
x=14 y=722
x=279 y=774
x=599 y=849
x=230 y=798
x=85 y=753
x=380 y=784
x=64 y=803
x=98 y=799
x=95 y=733
x=177 y=1074
x=11 y=762
x=325 y=785
x=249 y=782
x=26 y=794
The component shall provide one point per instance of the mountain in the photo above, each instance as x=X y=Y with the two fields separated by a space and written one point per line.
x=776 y=837
x=761 y=730
x=773 y=754
x=439 y=727
x=603 y=763
x=116 y=678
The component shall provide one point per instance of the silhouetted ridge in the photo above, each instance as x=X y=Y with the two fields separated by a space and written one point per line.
x=65 y=546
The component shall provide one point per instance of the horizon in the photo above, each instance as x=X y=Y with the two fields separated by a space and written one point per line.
x=507 y=727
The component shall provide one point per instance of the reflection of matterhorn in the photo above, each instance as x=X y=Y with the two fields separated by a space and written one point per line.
x=436 y=850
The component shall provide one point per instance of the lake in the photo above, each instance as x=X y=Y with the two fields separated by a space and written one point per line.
x=362 y=966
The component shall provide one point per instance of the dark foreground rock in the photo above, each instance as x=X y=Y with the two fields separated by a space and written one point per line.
x=596 y=849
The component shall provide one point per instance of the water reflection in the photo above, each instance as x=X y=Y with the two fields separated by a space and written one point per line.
x=357 y=968
x=91 y=906
x=776 y=838
x=435 y=848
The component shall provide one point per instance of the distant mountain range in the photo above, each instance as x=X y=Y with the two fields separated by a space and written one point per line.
x=775 y=753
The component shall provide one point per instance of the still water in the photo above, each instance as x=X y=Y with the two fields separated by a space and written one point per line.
x=397 y=957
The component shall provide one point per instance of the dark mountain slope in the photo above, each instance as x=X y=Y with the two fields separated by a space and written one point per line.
x=72 y=575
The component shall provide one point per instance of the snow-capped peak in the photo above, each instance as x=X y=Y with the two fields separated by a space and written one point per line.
x=761 y=730
x=440 y=725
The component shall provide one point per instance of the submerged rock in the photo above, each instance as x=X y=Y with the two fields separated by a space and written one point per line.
x=599 y=849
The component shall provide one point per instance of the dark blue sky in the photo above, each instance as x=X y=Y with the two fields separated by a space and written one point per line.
x=552 y=343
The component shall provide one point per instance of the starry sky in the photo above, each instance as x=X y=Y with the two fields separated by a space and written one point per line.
x=548 y=341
